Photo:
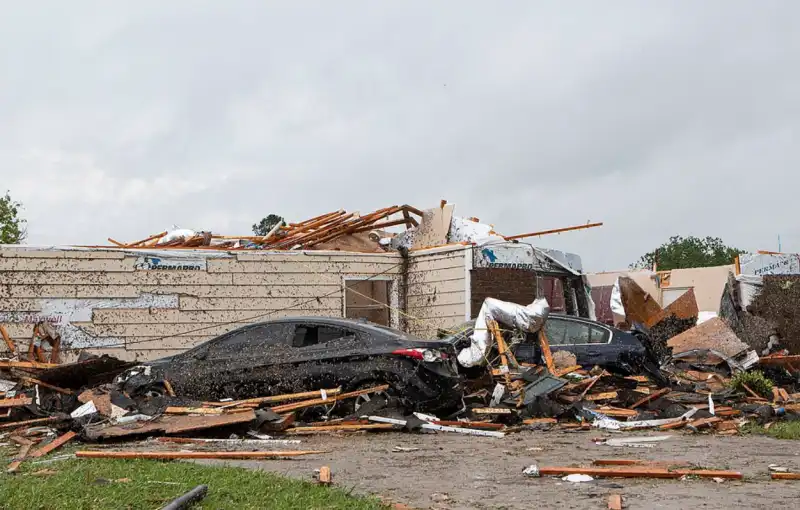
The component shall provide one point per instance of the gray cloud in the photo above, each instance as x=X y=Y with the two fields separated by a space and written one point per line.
x=657 y=118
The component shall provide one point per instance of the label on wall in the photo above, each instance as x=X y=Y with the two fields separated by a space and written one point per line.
x=764 y=264
x=170 y=264
x=514 y=256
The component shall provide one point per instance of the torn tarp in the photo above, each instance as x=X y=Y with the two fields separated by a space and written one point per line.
x=525 y=318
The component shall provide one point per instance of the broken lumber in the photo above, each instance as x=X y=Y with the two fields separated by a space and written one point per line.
x=614 y=502
x=617 y=412
x=168 y=388
x=592 y=382
x=537 y=421
x=94 y=454
x=568 y=370
x=785 y=476
x=491 y=410
x=470 y=424
x=546 y=353
x=637 y=462
x=278 y=398
x=31 y=380
x=56 y=443
x=751 y=392
x=21 y=455
x=193 y=410
x=602 y=396
x=330 y=400
x=7 y=339
x=704 y=422
x=325 y=475
x=650 y=397
x=37 y=421
x=339 y=428
x=643 y=472
x=15 y=402
x=26 y=364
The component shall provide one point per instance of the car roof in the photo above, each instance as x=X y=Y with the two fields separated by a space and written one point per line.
x=341 y=322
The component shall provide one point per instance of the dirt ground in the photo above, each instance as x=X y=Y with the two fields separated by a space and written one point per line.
x=483 y=473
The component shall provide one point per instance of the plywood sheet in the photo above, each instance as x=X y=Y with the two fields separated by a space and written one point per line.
x=435 y=225
x=712 y=334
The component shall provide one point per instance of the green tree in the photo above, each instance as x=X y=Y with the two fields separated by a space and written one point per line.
x=683 y=252
x=12 y=228
x=266 y=224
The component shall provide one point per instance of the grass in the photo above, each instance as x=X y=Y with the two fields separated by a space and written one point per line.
x=778 y=430
x=79 y=484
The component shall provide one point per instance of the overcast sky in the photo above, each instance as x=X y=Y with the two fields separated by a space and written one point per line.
x=657 y=118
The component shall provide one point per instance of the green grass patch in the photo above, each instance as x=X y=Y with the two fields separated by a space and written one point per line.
x=778 y=430
x=147 y=484
x=755 y=380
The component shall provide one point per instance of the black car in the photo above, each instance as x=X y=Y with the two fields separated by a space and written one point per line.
x=592 y=343
x=304 y=354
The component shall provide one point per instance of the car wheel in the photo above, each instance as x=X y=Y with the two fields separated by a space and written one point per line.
x=358 y=403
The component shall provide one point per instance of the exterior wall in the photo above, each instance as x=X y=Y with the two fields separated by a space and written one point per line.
x=116 y=302
x=437 y=289
x=708 y=284
x=643 y=278
x=512 y=285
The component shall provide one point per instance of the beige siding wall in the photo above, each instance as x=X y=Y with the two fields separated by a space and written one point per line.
x=437 y=290
x=105 y=302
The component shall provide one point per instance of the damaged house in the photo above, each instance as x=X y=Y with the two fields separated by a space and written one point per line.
x=418 y=271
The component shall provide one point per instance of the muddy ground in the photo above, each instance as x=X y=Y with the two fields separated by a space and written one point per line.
x=483 y=473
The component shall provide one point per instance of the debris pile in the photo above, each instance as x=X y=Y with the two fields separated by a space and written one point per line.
x=349 y=231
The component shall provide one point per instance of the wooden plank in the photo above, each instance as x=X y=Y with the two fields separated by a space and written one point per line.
x=618 y=412
x=37 y=421
x=751 y=392
x=785 y=476
x=492 y=410
x=331 y=400
x=15 y=402
x=564 y=371
x=602 y=396
x=614 y=502
x=470 y=424
x=7 y=339
x=548 y=355
x=168 y=387
x=26 y=364
x=627 y=472
x=704 y=422
x=325 y=475
x=299 y=431
x=650 y=397
x=193 y=410
x=537 y=421
x=21 y=456
x=172 y=424
x=91 y=454
x=32 y=381
x=56 y=443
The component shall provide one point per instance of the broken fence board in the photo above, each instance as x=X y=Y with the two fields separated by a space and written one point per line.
x=56 y=443
x=650 y=397
x=92 y=454
x=172 y=424
x=602 y=396
x=21 y=456
x=642 y=472
x=339 y=428
x=278 y=398
x=785 y=476
x=37 y=421
x=15 y=402
x=328 y=401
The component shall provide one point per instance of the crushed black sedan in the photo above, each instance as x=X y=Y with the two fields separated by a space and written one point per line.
x=304 y=354
x=592 y=343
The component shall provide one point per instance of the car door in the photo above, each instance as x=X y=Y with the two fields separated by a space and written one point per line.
x=236 y=365
x=588 y=341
